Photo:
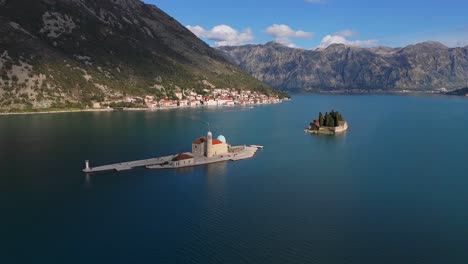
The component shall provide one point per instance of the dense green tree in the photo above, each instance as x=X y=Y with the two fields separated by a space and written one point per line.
x=327 y=119
x=332 y=121
x=340 y=118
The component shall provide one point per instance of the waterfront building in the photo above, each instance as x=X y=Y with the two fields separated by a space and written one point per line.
x=179 y=95
x=182 y=160
x=209 y=147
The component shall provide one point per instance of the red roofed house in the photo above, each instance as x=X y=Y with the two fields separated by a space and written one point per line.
x=167 y=103
x=314 y=125
x=183 y=159
x=225 y=101
x=199 y=147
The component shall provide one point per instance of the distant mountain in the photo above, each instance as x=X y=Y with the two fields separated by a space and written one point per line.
x=459 y=92
x=61 y=52
x=424 y=66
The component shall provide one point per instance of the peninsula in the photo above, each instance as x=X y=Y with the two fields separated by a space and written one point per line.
x=459 y=92
x=205 y=150
x=329 y=124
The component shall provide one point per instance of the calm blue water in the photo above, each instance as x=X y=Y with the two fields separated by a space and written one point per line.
x=393 y=189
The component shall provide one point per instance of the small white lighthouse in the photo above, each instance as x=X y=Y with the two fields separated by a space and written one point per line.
x=87 y=165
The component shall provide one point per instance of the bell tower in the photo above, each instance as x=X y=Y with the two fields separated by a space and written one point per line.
x=209 y=144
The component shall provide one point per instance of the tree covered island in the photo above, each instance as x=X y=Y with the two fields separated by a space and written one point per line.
x=328 y=124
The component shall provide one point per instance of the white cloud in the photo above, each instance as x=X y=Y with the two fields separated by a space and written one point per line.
x=342 y=38
x=284 y=33
x=223 y=35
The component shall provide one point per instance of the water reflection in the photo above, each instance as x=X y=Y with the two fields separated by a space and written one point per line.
x=215 y=196
x=87 y=179
x=215 y=180
x=185 y=170
x=216 y=169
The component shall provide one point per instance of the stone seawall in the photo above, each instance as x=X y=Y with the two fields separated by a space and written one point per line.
x=329 y=130
x=342 y=128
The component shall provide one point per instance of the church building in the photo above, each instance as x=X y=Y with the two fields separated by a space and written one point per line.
x=209 y=147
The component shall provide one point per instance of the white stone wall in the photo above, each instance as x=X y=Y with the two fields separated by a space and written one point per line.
x=219 y=149
x=341 y=128
x=183 y=163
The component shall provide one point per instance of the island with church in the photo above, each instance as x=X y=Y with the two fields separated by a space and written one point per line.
x=205 y=150
x=329 y=124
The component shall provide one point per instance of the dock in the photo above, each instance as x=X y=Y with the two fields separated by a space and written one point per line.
x=240 y=153
x=123 y=166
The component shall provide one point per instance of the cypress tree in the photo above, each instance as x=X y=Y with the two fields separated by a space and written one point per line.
x=320 y=119
x=340 y=117
x=332 y=121
x=328 y=118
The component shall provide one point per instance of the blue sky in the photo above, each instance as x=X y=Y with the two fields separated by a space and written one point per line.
x=318 y=23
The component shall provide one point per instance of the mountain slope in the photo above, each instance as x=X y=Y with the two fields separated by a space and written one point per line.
x=424 y=66
x=459 y=92
x=59 y=52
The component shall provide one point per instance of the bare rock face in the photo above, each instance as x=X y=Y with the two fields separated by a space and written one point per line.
x=424 y=66
x=78 y=51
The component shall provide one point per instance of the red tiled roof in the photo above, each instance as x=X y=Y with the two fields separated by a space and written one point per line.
x=203 y=140
x=217 y=141
x=199 y=140
x=182 y=156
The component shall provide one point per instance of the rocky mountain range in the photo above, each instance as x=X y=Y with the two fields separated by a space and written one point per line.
x=72 y=52
x=421 y=67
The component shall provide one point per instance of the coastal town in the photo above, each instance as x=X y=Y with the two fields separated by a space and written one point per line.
x=190 y=98
x=180 y=99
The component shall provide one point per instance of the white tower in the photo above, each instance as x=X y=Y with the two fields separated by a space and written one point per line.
x=209 y=144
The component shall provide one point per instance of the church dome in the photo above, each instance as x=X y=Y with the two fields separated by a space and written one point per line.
x=222 y=138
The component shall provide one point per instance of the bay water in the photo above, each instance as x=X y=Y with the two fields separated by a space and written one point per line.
x=392 y=189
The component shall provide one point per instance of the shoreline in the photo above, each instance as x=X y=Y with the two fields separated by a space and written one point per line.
x=55 y=112
x=125 y=109
x=370 y=92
